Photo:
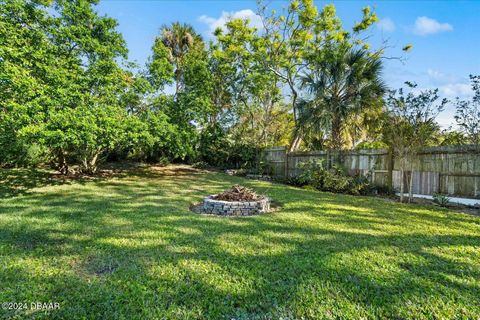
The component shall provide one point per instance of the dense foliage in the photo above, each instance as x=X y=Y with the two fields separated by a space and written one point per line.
x=409 y=125
x=316 y=174
x=343 y=83
x=61 y=82
x=70 y=98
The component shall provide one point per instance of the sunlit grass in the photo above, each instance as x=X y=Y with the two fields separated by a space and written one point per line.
x=128 y=247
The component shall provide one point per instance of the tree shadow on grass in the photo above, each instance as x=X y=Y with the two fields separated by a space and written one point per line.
x=14 y=182
x=20 y=181
x=132 y=249
x=274 y=285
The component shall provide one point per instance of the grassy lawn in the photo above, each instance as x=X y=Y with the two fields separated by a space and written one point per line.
x=128 y=247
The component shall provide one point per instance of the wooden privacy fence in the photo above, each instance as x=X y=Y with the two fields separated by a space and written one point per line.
x=453 y=170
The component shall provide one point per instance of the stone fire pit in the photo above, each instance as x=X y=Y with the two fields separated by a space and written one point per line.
x=238 y=201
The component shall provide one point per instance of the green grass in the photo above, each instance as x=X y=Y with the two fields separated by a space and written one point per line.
x=129 y=248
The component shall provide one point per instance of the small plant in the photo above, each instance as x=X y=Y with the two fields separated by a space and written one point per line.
x=294 y=181
x=35 y=155
x=200 y=165
x=240 y=172
x=163 y=162
x=384 y=190
x=311 y=171
x=441 y=199
x=361 y=186
x=264 y=168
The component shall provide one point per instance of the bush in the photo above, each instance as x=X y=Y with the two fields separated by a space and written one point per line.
x=361 y=185
x=384 y=190
x=261 y=168
x=312 y=172
x=335 y=179
x=295 y=181
x=22 y=154
x=200 y=165
x=371 y=145
x=240 y=172
x=441 y=199
x=220 y=150
x=163 y=162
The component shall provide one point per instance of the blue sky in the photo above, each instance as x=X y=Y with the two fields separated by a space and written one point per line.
x=444 y=34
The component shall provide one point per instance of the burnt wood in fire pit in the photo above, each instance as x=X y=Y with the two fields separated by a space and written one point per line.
x=238 y=201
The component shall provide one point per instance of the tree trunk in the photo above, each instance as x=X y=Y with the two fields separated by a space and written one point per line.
x=390 y=165
x=410 y=184
x=401 y=184
x=90 y=165
x=178 y=77
x=337 y=142
x=61 y=162
x=93 y=162
x=294 y=103
x=296 y=138
x=402 y=180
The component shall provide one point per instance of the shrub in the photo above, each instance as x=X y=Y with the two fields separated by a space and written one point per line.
x=163 y=162
x=371 y=145
x=311 y=172
x=441 y=199
x=361 y=185
x=384 y=190
x=240 y=172
x=294 y=181
x=218 y=149
x=36 y=155
x=200 y=165
x=260 y=168
x=335 y=179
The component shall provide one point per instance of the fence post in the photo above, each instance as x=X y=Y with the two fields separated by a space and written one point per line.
x=286 y=163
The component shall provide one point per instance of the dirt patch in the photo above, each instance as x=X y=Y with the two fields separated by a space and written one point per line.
x=175 y=170
x=98 y=266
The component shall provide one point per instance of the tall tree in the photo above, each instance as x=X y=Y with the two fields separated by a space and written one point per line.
x=27 y=60
x=179 y=39
x=301 y=31
x=179 y=57
x=255 y=96
x=78 y=115
x=468 y=113
x=410 y=125
x=343 y=83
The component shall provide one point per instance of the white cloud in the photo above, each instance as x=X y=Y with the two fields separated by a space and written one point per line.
x=438 y=77
x=425 y=25
x=214 y=23
x=446 y=118
x=453 y=90
x=386 y=25
x=450 y=91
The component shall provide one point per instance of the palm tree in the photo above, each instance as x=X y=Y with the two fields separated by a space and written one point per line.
x=180 y=39
x=342 y=83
